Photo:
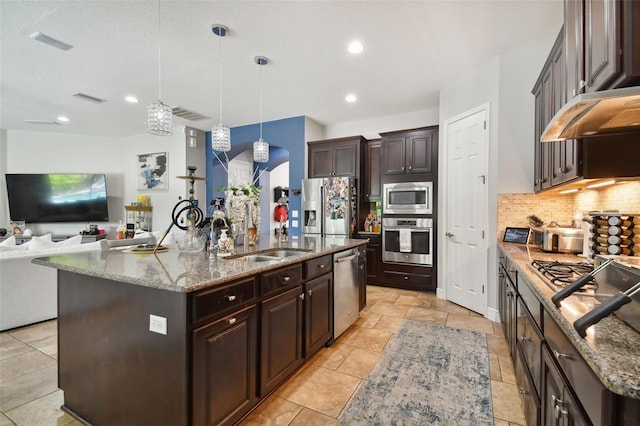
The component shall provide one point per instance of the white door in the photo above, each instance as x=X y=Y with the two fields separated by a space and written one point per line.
x=466 y=210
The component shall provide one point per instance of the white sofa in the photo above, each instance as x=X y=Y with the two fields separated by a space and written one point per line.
x=28 y=292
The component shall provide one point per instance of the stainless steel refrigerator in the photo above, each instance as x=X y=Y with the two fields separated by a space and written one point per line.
x=329 y=206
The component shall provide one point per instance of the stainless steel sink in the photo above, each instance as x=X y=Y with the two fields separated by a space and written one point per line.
x=270 y=255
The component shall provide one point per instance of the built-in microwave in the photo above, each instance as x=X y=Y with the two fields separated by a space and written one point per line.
x=407 y=198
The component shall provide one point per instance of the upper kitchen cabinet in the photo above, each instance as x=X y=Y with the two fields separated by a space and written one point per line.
x=371 y=172
x=602 y=45
x=335 y=157
x=409 y=152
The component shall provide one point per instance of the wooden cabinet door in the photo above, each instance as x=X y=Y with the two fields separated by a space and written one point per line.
x=538 y=128
x=573 y=47
x=373 y=263
x=362 y=283
x=546 y=148
x=393 y=155
x=281 y=342
x=318 y=297
x=419 y=149
x=320 y=161
x=601 y=42
x=372 y=189
x=225 y=368
x=345 y=160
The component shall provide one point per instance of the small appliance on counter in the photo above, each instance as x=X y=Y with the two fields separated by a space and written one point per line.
x=558 y=239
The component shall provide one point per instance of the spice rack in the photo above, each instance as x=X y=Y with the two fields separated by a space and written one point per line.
x=614 y=234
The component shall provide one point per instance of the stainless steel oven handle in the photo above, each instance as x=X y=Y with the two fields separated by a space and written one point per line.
x=411 y=229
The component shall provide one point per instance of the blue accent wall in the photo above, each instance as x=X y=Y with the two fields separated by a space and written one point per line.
x=286 y=143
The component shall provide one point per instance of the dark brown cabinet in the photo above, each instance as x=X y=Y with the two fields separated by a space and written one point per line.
x=554 y=162
x=374 y=258
x=409 y=152
x=281 y=341
x=335 y=157
x=362 y=280
x=371 y=172
x=559 y=406
x=318 y=303
x=507 y=301
x=225 y=359
x=602 y=45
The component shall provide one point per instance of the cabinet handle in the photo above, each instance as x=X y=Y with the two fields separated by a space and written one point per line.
x=285 y=279
x=231 y=321
x=309 y=292
x=361 y=267
x=559 y=355
x=523 y=392
x=406 y=277
x=230 y=298
x=410 y=167
x=402 y=167
x=321 y=266
x=583 y=84
x=524 y=339
x=511 y=269
x=302 y=296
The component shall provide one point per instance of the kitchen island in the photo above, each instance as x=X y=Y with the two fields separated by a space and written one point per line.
x=178 y=339
x=591 y=380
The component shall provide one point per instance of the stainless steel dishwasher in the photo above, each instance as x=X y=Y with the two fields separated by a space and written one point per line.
x=345 y=290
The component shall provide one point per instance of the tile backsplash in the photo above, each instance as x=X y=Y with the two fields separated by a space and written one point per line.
x=513 y=209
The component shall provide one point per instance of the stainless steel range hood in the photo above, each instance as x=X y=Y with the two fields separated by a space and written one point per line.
x=607 y=112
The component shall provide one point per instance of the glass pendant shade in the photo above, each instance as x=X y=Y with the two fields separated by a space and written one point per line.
x=159 y=119
x=260 y=151
x=221 y=138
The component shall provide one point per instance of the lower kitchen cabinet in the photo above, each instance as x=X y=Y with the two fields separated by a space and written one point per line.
x=559 y=405
x=507 y=300
x=526 y=389
x=281 y=341
x=318 y=303
x=374 y=259
x=225 y=359
x=362 y=280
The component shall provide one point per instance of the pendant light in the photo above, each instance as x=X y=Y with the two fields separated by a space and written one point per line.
x=220 y=134
x=260 y=147
x=159 y=115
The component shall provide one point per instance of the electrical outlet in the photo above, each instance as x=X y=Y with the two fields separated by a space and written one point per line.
x=294 y=223
x=157 y=324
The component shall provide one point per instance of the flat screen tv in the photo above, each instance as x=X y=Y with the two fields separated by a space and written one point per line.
x=57 y=197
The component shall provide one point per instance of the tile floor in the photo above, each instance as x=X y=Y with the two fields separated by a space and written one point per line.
x=316 y=395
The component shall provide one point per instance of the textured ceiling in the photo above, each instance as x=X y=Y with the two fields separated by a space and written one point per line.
x=412 y=49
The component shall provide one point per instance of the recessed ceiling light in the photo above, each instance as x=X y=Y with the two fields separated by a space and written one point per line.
x=355 y=47
x=351 y=98
x=131 y=99
x=62 y=118
x=51 y=41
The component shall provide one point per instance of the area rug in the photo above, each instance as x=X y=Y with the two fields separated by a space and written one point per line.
x=428 y=375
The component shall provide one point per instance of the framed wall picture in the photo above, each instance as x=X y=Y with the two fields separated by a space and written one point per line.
x=153 y=171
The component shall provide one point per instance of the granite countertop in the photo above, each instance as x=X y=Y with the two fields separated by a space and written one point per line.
x=184 y=273
x=611 y=347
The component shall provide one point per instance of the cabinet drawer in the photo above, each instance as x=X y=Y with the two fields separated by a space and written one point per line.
x=531 y=302
x=208 y=304
x=318 y=266
x=406 y=278
x=594 y=398
x=281 y=279
x=529 y=340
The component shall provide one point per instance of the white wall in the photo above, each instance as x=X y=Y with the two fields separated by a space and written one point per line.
x=42 y=152
x=4 y=205
x=313 y=131
x=371 y=128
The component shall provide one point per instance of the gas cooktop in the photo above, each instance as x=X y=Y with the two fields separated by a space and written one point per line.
x=559 y=274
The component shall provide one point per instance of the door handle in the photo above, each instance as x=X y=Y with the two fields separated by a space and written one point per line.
x=449 y=234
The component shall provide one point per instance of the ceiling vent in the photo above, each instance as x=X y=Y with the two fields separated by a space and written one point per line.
x=188 y=115
x=88 y=98
x=43 y=122
x=43 y=38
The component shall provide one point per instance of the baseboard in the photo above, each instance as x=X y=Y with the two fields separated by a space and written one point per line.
x=493 y=314
x=441 y=293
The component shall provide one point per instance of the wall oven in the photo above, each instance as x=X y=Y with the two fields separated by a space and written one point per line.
x=407 y=198
x=407 y=241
